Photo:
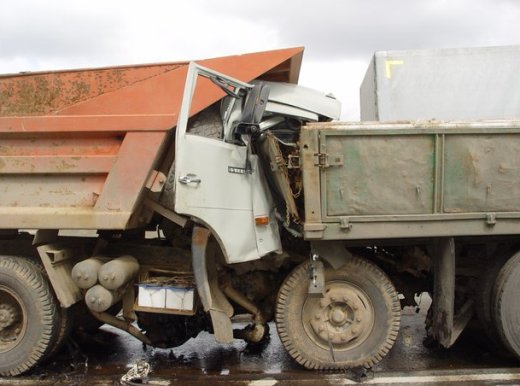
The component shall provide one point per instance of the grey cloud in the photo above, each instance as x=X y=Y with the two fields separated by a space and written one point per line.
x=356 y=28
x=51 y=30
x=97 y=32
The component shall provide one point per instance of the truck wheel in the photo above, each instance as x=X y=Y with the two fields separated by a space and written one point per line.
x=354 y=324
x=64 y=319
x=484 y=303
x=63 y=330
x=28 y=316
x=506 y=309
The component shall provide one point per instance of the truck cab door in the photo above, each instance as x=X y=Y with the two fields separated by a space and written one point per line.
x=213 y=184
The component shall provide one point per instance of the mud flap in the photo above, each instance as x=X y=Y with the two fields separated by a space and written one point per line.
x=222 y=327
x=58 y=262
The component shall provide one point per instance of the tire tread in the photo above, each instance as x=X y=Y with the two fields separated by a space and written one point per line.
x=31 y=277
x=299 y=274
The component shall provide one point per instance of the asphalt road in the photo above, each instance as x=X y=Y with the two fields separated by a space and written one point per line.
x=104 y=358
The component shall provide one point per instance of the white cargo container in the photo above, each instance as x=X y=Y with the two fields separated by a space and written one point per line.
x=442 y=84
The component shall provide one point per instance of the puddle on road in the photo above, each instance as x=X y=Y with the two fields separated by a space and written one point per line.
x=110 y=353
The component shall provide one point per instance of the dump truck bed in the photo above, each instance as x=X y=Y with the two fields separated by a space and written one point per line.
x=404 y=180
x=79 y=148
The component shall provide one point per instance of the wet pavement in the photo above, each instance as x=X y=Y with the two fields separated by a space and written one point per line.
x=104 y=358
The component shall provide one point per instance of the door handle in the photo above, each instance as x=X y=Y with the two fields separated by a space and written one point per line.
x=189 y=178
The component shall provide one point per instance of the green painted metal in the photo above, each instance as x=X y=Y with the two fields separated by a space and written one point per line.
x=400 y=180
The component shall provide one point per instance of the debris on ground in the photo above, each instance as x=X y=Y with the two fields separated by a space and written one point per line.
x=137 y=374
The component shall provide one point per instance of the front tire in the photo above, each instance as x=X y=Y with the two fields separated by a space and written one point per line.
x=354 y=324
x=28 y=316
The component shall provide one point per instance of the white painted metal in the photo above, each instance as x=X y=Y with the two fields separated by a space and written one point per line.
x=302 y=102
x=267 y=236
x=222 y=200
x=477 y=83
x=285 y=100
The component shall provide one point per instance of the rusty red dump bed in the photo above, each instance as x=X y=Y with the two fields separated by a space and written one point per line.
x=78 y=148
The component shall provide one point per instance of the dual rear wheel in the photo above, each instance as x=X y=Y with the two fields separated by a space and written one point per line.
x=505 y=305
x=498 y=305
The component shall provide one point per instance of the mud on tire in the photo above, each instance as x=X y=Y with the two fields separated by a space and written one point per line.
x=484 y=304
x=505 y=306
x=355 y=324
x=65 y=318
x=30 y=316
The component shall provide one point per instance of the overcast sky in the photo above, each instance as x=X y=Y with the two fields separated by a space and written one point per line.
x=340 y=36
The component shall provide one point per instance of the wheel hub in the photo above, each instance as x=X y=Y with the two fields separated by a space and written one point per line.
x=338 y=316
x=343 y=316
x=12 y=319
x=8 y=315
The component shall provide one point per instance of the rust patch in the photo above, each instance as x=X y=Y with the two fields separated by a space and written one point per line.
x=199 y=236
x=47 y=93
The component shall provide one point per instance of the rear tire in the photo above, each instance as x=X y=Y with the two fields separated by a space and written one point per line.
x=354 y=324
x=506 y=307
x=28 y=316
x=484 y=304
x=64 y=329
x=65 y=317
